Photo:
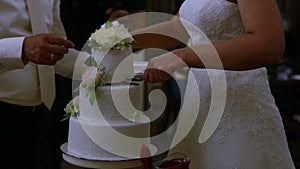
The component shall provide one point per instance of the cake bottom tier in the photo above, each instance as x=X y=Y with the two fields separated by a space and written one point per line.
x=91 y=140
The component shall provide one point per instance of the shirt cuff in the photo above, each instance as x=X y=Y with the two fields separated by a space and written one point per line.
x=11 y=53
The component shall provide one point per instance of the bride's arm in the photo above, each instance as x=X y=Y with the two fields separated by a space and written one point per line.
x=261 y=45
x=165 y=35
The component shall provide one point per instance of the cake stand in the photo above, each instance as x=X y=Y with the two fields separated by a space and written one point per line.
x=103 y=163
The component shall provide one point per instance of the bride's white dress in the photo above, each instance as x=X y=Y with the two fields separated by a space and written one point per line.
x=250 y=134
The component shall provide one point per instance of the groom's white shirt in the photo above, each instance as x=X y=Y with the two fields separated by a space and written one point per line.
x=19 y=83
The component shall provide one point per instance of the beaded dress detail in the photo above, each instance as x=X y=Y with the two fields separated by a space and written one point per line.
x=250 y=134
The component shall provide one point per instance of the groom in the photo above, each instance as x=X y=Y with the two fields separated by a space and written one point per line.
x=23 y=48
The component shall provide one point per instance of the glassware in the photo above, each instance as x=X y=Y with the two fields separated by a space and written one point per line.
x=173 y=161
x=283 y=72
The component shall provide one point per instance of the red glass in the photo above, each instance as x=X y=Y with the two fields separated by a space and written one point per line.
x=174 y=161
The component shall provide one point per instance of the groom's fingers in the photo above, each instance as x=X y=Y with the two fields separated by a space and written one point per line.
x=45 y=48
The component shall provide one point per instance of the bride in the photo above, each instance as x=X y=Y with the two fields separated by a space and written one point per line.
x=246 y=35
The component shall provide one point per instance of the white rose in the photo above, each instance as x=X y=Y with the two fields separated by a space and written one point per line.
x=117 y=23
x=88 y=77
x=73 y=106
x=116 y=35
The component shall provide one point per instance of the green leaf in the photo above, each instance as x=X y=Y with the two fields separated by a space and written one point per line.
x=64 y=119
x=66 y=116
x=88 y=92
x=93 y=44
x=93 y=62
x=92 y=97
x=108 y=24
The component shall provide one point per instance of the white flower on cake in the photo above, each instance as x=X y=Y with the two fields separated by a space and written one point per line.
x=72 y=108
x=92 y=78
x=111 y=35
x=88 y=77
x=110 y=45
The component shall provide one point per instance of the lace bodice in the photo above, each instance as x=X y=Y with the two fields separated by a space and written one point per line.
x=217 y=19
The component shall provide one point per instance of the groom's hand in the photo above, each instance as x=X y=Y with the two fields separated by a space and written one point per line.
x=45 y=49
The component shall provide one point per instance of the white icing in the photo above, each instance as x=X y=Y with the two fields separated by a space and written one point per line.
x=92 y=140
x=95 y=135
x=118 y=63
x=104 y=102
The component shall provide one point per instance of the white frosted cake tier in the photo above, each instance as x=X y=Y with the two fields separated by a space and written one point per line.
x=118 y=64
x=91 y=140
x=113 y=103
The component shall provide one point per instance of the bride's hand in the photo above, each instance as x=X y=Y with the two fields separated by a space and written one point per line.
x=162 y=67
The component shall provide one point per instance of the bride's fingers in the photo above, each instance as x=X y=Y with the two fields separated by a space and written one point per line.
x=146 y=75
x=150 y=75
x=163 y=76
x=155 y=75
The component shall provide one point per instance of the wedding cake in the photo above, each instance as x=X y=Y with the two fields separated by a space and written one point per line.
x=106 y=120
